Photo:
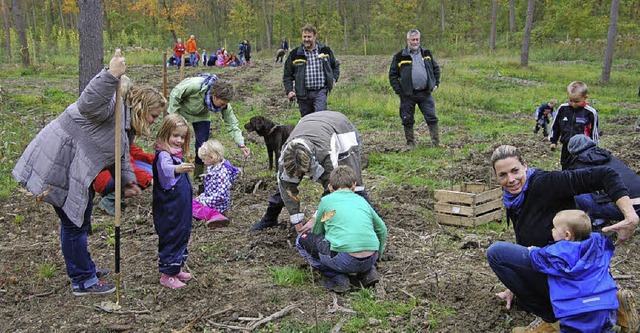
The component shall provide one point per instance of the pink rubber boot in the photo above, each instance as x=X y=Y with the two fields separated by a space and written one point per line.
x=184 y=276
x=217 y=220
x=171 y=281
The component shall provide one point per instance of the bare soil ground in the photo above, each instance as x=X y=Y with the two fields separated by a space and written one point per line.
x=437 y=266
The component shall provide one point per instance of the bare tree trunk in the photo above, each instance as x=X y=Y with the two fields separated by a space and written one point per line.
x=342 y=10
x=91 y=42
x=268 y=22
x=61 y=15
x=442 y=15
x=494 y=18
x=611 y=41
x=7 y=31
x=22 y=34
x=169 y=20
x=524 y=57
x=512 y=17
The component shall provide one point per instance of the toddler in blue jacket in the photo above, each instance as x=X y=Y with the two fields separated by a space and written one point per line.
x=583 y=292
x=543 y=117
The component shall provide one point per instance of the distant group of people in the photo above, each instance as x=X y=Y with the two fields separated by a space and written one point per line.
x=221 y=58
x=557 y=269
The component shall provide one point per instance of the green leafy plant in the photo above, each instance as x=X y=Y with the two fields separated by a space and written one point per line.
x=18 y=219
x=48 y=270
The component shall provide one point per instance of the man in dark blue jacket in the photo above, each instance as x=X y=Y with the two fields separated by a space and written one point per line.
x=414 y=75
x=586 y=154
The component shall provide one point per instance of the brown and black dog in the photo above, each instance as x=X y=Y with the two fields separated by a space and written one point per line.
x=274 y=135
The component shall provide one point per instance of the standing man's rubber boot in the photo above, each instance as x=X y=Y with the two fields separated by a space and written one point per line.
x=409 y=135
x=435 y=135
x=270 y=218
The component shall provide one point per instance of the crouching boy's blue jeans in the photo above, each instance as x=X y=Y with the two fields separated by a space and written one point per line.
x=80 y=267
x=316 y=250
x=511 y=263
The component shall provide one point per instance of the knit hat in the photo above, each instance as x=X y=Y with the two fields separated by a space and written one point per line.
x=580 y=143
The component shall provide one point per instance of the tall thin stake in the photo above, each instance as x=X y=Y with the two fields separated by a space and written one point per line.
x=118 y=180
x=164 y=78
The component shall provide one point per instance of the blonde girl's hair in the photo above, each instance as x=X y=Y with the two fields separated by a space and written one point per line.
x=212 y=148
x=504 y=152
x=140 y=100
x=169 y=124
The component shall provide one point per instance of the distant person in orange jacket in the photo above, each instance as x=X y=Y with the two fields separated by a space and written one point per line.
x=192 y=49
x=179 y=49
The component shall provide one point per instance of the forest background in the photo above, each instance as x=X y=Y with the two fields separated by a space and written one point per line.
x=49 y=28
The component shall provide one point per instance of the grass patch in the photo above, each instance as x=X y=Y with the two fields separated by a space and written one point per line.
x=288 y=276
x=210 y=251
x=18 y=219
x=365 y=304
x=48 y=271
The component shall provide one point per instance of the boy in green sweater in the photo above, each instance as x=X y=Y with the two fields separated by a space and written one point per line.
x=348 y=235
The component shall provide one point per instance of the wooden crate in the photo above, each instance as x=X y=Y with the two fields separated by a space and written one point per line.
x=468 y=205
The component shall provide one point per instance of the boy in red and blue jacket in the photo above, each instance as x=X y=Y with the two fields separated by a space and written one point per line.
x=573 y=118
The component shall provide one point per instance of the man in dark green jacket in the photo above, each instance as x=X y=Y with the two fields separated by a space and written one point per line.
x=315 y=71
x=414 y=75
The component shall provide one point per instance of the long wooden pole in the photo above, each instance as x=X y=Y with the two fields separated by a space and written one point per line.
x=118 y=181
x=164 y=78
x=182 y=68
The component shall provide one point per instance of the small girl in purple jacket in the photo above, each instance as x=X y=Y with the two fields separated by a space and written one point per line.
x=216 y=197
x=172 y=193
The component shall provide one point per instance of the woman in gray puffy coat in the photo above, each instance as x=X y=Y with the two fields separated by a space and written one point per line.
x=62 y=161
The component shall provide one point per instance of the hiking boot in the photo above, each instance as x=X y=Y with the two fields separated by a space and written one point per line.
x=184 y=276
x=270 y=218
x=370 y=278
x=96 y=289
x=339 y=283
x=627 y=315
x=102 y=272
x=540 y=326
x=171 y=281
x=263 y=224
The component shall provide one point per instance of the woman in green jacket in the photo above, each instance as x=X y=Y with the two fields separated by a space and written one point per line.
x=195 y=99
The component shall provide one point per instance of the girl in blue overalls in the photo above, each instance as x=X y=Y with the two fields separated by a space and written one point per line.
x=172 y=193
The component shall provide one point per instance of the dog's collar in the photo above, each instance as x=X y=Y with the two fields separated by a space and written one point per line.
x=273 y=128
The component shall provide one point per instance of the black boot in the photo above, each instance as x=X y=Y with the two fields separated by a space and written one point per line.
x=435 y=135
x=270 y=218
x=408 y=134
